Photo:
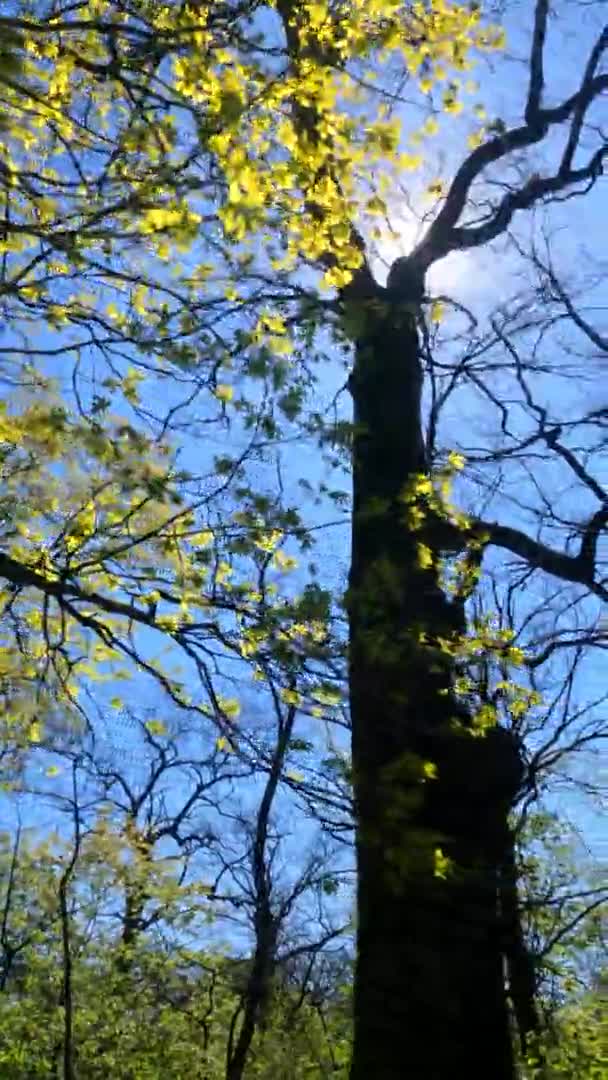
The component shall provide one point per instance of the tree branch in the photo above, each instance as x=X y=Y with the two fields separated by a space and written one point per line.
x=599 y=340
x=25 y=577
x=537 y=76
x=578 y=569
x=443 y=235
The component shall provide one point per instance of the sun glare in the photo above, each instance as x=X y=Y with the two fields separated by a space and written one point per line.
x=398 y=237
x=456 y=275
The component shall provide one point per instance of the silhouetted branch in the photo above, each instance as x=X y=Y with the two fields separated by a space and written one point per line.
x=444 y=235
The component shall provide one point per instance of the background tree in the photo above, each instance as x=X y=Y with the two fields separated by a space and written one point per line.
x=144 y=906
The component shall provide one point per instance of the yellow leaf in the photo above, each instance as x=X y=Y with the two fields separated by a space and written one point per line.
x=425 y=557
x=268 y=541
x=376 y=205
x=336 y=277
x=475 y=139
x=409 y=162
x=326 y=695
x=230 y=706
x=442 y=864
x=451 y=104
x=161 y=217
x=156 y=727
x=456 y=461
x=201 y=539
x=290 y=697
x=224 y=392
x=284 y=562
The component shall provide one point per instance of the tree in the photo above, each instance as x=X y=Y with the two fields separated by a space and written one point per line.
x=436 y=951
x=120 y=906
x=244 y=139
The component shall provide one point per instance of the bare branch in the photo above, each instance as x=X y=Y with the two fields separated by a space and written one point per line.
x=443 y=235
x=537 y=78
x=578 y=569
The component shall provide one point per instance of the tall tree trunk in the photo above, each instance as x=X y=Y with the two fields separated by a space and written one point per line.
x=430 y=999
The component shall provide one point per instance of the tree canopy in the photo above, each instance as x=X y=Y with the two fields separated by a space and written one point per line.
x=220 y=224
